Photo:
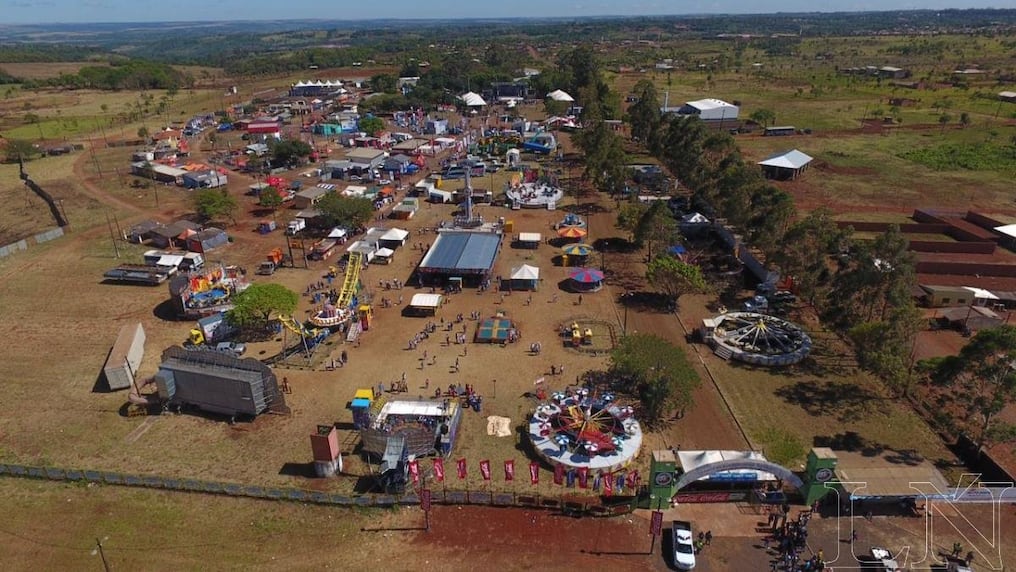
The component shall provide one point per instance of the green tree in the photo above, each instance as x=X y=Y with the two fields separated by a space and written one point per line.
x=880 y=277
x=214 y=203
x=289 y=151
x=763 y=116
x=350 y=212
x=771 y=211
x=886 y=347
x=270 y=198
x=555 y=107
x=657 y=225
x=372 y=125
x=644 y=115
x=16 y=149
x=806 y=249
x=143 y=132
x=674 y=277
x=384 y=83
x=984 y=374
x=629 y=215
x=943 y=120
x=253 y=308
x=965 y=119
x=656 y=372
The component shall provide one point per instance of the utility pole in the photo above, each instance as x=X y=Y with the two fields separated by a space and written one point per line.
x=116 y=249
x=102 y=555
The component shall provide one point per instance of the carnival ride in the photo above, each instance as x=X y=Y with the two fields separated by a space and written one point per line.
x=756 y=338
x=579 y=429
x=541 y=143
x=207 y=292
x=534 y=195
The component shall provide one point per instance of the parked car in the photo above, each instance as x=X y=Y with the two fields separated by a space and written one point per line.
x=235 y=348
x=684 y=545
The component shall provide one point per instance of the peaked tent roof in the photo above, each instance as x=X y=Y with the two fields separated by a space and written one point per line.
x=792 y=159
x=525 y=272
x=559 y=95
x=472 y=99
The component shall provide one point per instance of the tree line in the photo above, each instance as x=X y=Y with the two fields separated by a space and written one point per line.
x=133 y=74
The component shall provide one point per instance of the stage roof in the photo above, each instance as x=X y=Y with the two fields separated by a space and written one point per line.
x=889 y=474
x=462 y=252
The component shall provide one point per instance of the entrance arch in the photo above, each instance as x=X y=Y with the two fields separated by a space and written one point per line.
x=739 y=464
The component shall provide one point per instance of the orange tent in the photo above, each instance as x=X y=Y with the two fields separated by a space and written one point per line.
x=572 y=232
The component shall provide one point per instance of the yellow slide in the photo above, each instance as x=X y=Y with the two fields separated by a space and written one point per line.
x=352 y=281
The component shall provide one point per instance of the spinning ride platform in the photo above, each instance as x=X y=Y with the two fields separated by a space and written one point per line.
x=581 y=430
x=756 y=338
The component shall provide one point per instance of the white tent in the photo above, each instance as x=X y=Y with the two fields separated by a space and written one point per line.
x=525 y=272
x=395 y=235
x=384 y=252
x=558 y=95
x=338 y=232
x=472 y=99
x=426 y=300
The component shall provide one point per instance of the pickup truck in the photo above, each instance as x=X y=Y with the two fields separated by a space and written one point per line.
x=233 y=348
x=684 y=545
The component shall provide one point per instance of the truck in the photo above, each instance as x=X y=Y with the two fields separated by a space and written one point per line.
x=684 y=545
x=272 y=262
x=295 y=226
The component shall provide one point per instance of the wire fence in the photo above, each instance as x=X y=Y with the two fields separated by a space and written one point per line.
x=573 y=505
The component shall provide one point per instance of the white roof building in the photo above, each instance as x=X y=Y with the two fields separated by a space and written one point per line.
x=710 y=109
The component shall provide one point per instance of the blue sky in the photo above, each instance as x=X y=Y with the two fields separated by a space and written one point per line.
x=53 y=11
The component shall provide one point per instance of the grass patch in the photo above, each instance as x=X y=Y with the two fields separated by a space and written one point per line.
x=981 y=156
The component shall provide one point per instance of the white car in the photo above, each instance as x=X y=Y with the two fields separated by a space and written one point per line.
x=684 y=546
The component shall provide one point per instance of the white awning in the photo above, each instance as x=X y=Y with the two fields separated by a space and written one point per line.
x=1007 y=229
x=384 y=252
x=172 y=260
x=395 y=234
x=472 y=99
x=525 y=272
x=426 y=300
x=530 y=237
x=980 y=293
x=337 y=233
x=559 y=95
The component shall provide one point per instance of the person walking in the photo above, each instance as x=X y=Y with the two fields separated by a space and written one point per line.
x=957 y=549
x=853 y=537
x=580 y=299
x=343 y=357
x=709 y=537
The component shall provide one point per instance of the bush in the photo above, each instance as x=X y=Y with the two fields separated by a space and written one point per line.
x=975 y=157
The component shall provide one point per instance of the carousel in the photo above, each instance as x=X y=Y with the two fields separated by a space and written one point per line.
x=534 y=195
x=578 y=429
x=755 y=338
x=330 y=316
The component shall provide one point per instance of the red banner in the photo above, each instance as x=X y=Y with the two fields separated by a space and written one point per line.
x=509 y=470
x=558 y=474
x=462 y=468
x=656 y=523
x=633 y=479
x=534 y=473
x=584 y=477
x=414 y=471
x=439 y=469
x=608 y=485
x=485 y=470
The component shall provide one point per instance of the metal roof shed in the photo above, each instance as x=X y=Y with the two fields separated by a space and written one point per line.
x=462 y=253
x=787 y=165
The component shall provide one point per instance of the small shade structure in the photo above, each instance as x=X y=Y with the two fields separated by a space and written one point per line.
x=524 y=277
x=577 y=249
x=785 y=166
x=559 y=95
x=383 y=255
x=424 y=304
x=472 y=99
x=586 y=279
x=572 y=232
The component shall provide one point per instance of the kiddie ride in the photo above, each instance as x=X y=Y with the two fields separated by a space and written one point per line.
x=206 y=293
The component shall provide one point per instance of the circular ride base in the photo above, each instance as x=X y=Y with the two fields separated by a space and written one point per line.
x=578 y=430
x=758 y=339
x=603 y=339
x=535 y=195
